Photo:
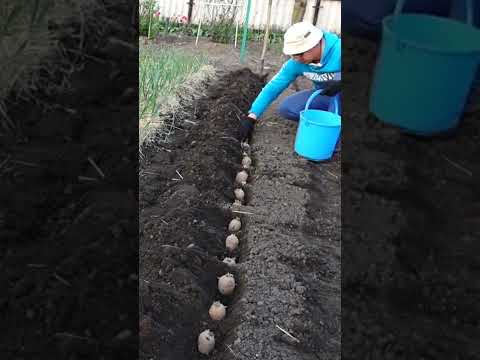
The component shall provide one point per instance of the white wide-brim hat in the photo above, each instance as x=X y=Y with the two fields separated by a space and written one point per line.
x=301 y=37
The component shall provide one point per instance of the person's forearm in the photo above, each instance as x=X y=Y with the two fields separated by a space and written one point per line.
x=273 y=89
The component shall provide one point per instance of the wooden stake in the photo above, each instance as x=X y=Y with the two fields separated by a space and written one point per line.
x=267 y=35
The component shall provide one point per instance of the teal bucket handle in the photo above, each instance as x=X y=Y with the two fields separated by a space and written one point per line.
x=315 y=94
x=398 y=7
x=468 y=3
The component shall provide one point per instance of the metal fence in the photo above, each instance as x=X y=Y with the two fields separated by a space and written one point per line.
x=328 y=18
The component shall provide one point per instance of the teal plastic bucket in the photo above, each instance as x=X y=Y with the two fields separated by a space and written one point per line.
x=459 y=11
x=424 y=71
x=318 y=131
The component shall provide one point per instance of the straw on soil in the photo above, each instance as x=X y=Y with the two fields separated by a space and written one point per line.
x=33 y=55
x=170 y=109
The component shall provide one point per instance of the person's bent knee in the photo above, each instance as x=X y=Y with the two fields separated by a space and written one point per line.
x=285 y=112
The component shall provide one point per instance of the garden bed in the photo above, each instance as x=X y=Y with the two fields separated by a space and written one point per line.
x=69 y=235
x=289 y=256
x=186 y=188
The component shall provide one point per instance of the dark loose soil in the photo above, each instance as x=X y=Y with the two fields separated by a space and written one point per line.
x=411 y=224
x=69 y=244
x=293 y=261
x=288 y=261
x=178 y=284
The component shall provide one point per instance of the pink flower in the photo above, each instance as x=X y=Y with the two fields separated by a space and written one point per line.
x=183 y=19
x=156 y=14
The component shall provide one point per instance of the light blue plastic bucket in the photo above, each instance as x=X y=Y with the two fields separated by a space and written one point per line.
x=424 y=72
x=318 y=131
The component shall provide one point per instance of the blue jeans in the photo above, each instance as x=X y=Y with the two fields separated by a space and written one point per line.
x=290 y=107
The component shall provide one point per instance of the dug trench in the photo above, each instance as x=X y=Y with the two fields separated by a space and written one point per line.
x=186 y=195
x=186 y=190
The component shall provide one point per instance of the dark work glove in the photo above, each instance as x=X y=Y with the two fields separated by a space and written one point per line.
x=245 y=129
x=332 y=88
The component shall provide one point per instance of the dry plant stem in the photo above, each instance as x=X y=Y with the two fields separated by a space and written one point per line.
x=62 y=280
x=243 y=212
x=288 y=334
x=2 y=164
x=229 y=348
x=229 y=138
x=332 y=174
x=165 y=149
x=466 y=171
x=150 y=173
x=25 y=163
x=86 y=178
x=72 y=336
x=96 y=167
x=37 y=265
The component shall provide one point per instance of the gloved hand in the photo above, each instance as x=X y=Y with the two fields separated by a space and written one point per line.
x=331 y=88
x=246 y=127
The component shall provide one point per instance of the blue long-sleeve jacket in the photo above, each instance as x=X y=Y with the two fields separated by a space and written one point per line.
x=329 y=68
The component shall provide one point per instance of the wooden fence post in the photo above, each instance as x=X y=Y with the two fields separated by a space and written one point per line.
x=317 y=10
x=190 y=10
x=299 y=10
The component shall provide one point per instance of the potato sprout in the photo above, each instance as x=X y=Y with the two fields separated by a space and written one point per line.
x=245 y=146
x=239 y=194
x=229 y=261
x=226 y=284
x=206 y=342
x=242 y=177
x=235 y=225
x=231 y=242
x=246 y=162
x=217 y=311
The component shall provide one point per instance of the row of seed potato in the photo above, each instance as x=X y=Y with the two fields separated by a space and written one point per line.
x=226 y=283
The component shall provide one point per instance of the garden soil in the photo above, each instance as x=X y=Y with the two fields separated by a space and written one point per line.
x=288 y=260
x=410 y=230
x=69 y=236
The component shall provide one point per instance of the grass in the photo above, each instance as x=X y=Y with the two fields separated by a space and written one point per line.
x=163 y=72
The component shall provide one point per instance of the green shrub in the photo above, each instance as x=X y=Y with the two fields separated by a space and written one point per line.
x=222 y=30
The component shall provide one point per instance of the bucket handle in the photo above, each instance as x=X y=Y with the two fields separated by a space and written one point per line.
x=316 y=93
x=468 y=3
